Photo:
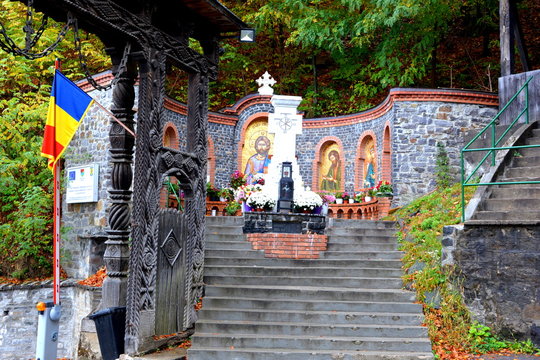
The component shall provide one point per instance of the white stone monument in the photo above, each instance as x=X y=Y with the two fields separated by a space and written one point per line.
x=285 y=124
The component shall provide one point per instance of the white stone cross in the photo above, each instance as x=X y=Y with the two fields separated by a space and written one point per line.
x=265 y=82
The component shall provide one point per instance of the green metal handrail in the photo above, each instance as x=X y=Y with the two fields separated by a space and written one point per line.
x=494 y=145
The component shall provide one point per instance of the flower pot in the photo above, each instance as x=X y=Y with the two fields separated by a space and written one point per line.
x=318 y=210
x=367 y=198
x=222 y=199
x=351 y=201
x=339 y=201
x=324 y=209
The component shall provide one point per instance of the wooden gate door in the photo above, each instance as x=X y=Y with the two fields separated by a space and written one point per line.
x=170 y=282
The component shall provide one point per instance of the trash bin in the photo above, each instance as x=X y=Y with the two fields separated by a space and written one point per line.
x=110 y=328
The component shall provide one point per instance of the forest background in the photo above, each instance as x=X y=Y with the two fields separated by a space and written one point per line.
x=341 y=56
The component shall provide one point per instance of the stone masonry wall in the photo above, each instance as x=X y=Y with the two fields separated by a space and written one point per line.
x=499 y=269
x=418 y=126
x=19 y=317
x=415 y=127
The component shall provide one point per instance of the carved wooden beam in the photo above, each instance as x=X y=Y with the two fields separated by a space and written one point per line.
x=113 y=23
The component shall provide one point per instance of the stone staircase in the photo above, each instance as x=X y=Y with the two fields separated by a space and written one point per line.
x=515 y=203
x=346 y=305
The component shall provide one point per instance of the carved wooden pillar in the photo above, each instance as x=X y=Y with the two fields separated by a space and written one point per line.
x=196 y=206
x=116 y=255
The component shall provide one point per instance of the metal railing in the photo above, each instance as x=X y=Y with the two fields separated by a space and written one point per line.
x=492 y=151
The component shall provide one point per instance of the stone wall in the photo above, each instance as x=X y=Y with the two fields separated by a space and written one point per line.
x=19 y=317
x=417 y=119
x=499 y=269
x=417 y=128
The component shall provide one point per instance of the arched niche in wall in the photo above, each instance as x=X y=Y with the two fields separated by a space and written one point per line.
x=170 y=136
x=329 y=166
x=170 y=195
x=211 y=168
x=255 y=148
x=366 y=164
x=386 y=158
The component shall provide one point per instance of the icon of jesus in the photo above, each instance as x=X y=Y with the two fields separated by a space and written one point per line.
x=258 y=163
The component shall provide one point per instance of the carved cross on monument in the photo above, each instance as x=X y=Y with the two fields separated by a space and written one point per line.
x=285 y=123
x=265 y=82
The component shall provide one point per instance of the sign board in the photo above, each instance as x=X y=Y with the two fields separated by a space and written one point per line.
x=82 y=184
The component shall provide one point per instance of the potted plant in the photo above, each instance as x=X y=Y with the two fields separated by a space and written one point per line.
x=339 y=198
x=261 y=201
x=212 y=192
x=226 y=194
x=306 y=201
x=359 y=197
x=232 y=208
x=237 y=179
x=370 y=194
x=384 y=189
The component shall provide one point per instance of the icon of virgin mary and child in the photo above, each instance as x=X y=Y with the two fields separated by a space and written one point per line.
x=258 y=163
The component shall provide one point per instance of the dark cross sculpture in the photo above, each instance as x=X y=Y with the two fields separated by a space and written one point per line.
x=154 y=34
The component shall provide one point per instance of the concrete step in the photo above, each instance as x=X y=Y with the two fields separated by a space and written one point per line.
x=510 y=204
x=233 y=253
x=225 y=220
x=529 y=152
x=227 y=245
x=308 y=328
x=225 y=237
x=201 y=340
x=310 y=292
x=525 y=161
x=312 y=317
x=535 y=140
x=310 y=354
x=512 y=192
x=360 y=224
x=386 y=264
x=356 y=255
x=311 y=305
x=360 y=232
x=284 y=271
x=345 y=282
x=366 y=254
x=360 y=239
x=517 y=172
x=505 y=215
x=224 y=230
x=334 y=246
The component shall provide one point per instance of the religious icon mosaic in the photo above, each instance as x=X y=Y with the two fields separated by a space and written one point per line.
x=257 y=151
x=370 y=164
x=330 y=170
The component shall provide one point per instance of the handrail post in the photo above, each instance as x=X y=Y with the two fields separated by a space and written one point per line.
x=492 y=145
x=527 y=103
x=462 y=188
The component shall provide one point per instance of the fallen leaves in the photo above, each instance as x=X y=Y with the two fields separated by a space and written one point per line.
x=95 y=280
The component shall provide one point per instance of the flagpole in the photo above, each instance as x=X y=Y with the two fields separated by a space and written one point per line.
x=114 y=117
x=49 y=313
x=56 y=226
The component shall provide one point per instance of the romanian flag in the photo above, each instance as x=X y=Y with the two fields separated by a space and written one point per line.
x=67 y=108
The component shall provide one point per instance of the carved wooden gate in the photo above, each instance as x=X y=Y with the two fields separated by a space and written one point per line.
x=170 y=283
x=165 y=256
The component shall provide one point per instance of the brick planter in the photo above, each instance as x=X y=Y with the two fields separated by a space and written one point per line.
x=289 y=246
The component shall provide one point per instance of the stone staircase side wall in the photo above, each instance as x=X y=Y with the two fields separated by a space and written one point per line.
x=499 y=274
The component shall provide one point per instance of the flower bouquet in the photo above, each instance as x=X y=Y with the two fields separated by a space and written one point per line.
x=261 y=200
x=306 y=201
x=237 y=179
x=245 y=191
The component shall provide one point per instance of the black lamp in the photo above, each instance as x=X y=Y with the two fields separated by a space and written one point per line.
x=286 y=188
